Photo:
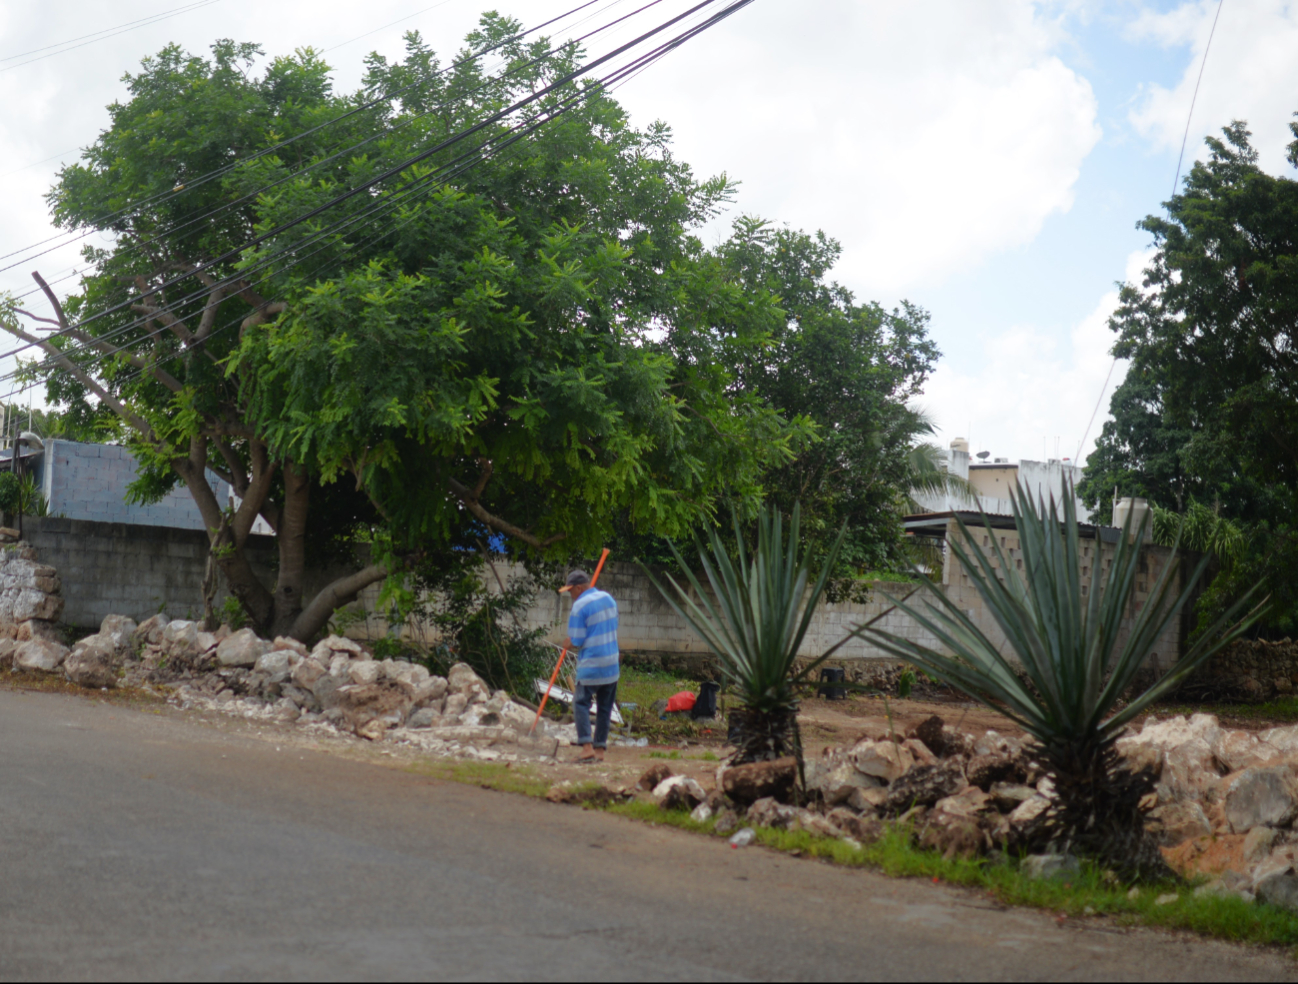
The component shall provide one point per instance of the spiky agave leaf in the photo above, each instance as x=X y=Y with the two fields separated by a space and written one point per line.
x=755 y=618
x=1064 y=669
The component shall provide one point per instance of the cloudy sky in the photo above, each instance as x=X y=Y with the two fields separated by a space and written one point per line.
x=986 y=159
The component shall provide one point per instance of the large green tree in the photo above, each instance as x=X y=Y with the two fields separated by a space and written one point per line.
x=851 y=369
x=533 y=344
x=1209 y=411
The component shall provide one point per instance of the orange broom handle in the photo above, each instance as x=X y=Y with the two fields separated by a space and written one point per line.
x=564 y=651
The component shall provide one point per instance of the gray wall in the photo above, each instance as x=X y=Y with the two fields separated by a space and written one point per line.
x=126 y=569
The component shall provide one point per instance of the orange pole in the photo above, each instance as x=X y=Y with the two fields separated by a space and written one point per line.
x=564 y=651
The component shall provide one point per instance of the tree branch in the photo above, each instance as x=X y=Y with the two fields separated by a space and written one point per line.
x=161 y=375
x=86 y=380
x=314 y=617
x=475 y=508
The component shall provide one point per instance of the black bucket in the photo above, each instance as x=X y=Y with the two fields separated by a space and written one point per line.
x=831 y=675
x=706 y=704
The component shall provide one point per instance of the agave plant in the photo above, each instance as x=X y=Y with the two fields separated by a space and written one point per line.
x=755 y=626
x=1066 y=666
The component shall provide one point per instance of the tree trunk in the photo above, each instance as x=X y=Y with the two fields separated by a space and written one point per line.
x=244 y=584
x=292 y=550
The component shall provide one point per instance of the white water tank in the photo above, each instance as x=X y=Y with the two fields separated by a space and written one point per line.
x=960 y=444
x=1138 y=511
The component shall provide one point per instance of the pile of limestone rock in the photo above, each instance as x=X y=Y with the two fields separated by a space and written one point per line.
x=954 y=792
x=334 y=686
x=1225 y=804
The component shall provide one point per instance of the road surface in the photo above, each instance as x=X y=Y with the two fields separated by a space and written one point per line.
x=139 y=845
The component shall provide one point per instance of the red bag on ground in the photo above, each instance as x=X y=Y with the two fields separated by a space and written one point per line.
x=684 y=701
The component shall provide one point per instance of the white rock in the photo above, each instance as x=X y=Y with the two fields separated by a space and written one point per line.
x=399 y=670
x=340 y=667
x=419 y=675
x=1262 y=796
x=340 y=644
x=365 y=671
x=517 y=716
x=1189 y=768
x=919 y=752
x=1258 y=844
x=881 y=759
x=179 y=637
x=768 y=812
x=433 y=688
x=838 y=784
x=307 y=673
x=701 y=813
x=92 y=662
x=678 y=791
x=1239 y=750
x=1043 y=866
x=455 y=705
x=117 y=623
x=43 y=655
x=1275 y=880
x=461 y=679
x=275 y=664
x=1181 y=821
x=425 y=717
x=292 y=645
x=867 y=800
x=1028 y=810
x=1284 y=740
x=241 y=648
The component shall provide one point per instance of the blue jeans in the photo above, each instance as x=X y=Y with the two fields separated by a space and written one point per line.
x=603 y=695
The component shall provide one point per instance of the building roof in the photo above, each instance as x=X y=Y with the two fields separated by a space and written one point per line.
x=935 y=524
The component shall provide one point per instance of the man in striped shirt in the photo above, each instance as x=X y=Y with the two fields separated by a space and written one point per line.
x=592 y=632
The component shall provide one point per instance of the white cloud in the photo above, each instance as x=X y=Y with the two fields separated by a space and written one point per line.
x=1251 y=74
x=1036 y=392
x=946 y=130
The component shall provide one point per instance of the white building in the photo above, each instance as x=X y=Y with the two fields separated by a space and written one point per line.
x=995 y=480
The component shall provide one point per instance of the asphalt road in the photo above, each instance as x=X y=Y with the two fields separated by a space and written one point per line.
x=136 y=845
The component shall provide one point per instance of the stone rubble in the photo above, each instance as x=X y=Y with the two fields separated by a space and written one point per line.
x=334 y=688
x=1225 y=803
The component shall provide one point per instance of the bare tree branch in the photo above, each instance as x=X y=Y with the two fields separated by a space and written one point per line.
x=86 y=380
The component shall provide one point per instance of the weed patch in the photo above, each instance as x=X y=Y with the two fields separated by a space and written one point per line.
x=1090 y=892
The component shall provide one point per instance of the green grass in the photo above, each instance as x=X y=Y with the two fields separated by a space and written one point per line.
x=504 y=777
x=890 y=576
x=1281 y=709
x=1089 y=893
x=643 y=688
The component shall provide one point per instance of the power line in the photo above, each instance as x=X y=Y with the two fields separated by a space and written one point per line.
x=233 y=254
x=428 y=181
x=376 y=30
x=1175 y=181
x=1195 y=97
x=108 y=32
x=195 y=182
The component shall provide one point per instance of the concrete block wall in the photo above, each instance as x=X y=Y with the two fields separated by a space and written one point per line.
x=646 y=623
x=89 y=482
x=129 y=569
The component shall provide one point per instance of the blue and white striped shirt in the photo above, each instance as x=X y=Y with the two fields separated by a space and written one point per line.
x=592 y=627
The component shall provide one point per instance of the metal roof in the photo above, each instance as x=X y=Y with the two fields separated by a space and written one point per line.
x=935 y=524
